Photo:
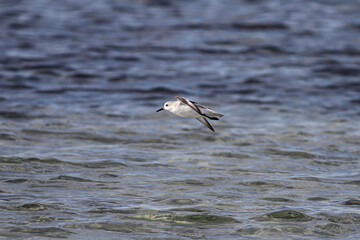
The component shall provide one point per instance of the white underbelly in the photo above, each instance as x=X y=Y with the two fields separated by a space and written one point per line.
x=185 y=111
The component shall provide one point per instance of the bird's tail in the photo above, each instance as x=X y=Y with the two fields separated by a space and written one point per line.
x=210 y=113
x=213 y=115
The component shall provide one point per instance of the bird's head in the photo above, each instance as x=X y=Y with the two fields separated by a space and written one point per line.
x=167 y=106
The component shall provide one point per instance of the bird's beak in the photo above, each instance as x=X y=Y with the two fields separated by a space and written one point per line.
x=160 y=109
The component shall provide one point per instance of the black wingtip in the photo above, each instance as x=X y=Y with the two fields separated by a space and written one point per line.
x=212 y=118
x=210 y=127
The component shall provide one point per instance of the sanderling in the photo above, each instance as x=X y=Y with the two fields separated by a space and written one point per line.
x=187 y=108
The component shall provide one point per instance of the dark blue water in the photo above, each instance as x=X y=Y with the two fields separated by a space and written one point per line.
x=84 y=155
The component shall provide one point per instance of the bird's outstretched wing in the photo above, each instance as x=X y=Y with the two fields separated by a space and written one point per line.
x=206 y=123
x=194 y=106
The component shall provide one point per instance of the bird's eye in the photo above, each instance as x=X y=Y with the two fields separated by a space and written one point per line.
x=166 y=105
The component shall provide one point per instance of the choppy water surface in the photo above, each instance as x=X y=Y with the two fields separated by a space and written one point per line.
x=83 y=155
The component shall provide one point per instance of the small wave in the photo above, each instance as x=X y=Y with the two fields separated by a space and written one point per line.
x=202 y=219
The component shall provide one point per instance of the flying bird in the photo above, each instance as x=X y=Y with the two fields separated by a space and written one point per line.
x=184 y=107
